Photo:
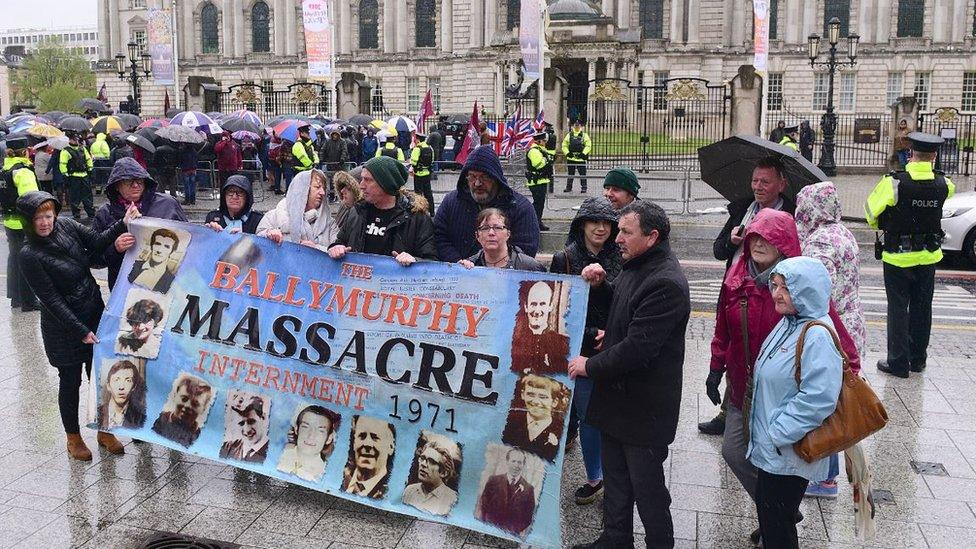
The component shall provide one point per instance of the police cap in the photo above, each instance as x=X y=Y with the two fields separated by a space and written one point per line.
x=791 y=129
x=17 y=141
x=421 y=135
x=925 y=142
x=539 y=135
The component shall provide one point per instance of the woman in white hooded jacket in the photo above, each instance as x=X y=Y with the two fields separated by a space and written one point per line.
x=303 y=215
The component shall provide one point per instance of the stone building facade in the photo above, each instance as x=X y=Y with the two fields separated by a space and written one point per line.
x=466 y=50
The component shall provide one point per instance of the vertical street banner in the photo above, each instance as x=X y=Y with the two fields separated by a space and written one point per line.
x=318 y=37
x=431 y=390
x=159 y=34
x=531 y=39
x=760 y=38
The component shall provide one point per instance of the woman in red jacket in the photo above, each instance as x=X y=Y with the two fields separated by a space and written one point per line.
x=745 y=302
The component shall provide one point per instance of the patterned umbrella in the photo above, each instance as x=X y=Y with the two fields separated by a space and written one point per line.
x=288 y=129
x=44 y=130
x=23 y=122
x=282 y=117
x=241 y=135
x=240 y=124
x=246 y=115
x=197 y=120
x=180 y=134
x=154 y=123
x=107 y=125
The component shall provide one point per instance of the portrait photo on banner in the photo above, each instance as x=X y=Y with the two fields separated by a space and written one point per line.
x=122 y=393
x=158 y=257
x=372 y=444
x=246 y=423
x=185 y=410
x=311 y=439
x=540 y=340
x=535 y=420
x=510 y=488
x=142 y=323
x=432 y=484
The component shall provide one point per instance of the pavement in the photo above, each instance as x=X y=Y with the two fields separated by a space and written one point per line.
x=923 y=462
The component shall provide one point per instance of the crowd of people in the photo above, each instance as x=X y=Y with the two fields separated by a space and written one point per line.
x=787 y=263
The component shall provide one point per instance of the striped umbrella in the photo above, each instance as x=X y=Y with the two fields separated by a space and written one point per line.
x=288 y=129
x=44 y=130
x=107 y=125
x=154 y=123
x=248 y=116
x=197 y=120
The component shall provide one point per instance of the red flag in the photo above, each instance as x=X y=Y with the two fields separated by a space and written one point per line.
x=102 y=96
x=426 y=110
x=166 y=102
x=473 y=138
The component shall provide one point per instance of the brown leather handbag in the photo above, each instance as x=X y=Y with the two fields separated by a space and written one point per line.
x=859 y=412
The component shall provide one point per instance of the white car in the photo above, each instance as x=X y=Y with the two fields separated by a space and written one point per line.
x=959 y=224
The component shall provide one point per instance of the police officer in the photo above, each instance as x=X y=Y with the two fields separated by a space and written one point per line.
x=304 y=151
x=17 y=180
x=389 y=148
x=790 y=137
x=421 y=160
x=76 y=163
x=907 y=206
x=576 y=147
x=101 y=154
x=538 y=172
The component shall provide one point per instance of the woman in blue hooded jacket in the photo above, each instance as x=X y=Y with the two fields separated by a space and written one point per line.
x=784 y=412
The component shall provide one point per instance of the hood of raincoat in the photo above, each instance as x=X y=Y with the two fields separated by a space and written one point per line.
x=775 y=226
x=128 y=168
x=295 y=201
x=816 y=205
x=483 y=159
x=30 y=202
x=596 y=208
x=809 y=284
x=243 y=183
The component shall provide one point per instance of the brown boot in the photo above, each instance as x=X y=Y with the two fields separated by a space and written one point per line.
x=77 y=448
x=110 y=443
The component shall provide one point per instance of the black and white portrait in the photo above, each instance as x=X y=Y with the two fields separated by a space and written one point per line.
x=142 y=323
x=311 y=439
x=122 y=402
x=246 y=422
x=511 y=484
x=535 y=421
x=540 y=343
x=185 y=410
x=159 y=258
x=432 y=484
x=371 y=448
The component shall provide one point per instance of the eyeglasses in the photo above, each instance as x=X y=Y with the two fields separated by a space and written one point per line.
x=484 y=179
x=428 y=461
x=495 y=228
x=237 y=193
x=133 y=183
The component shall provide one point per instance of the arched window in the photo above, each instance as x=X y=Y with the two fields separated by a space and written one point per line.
x=368 y=25
x=208 y=29
x=514 y=14
x=841 y=9
x=652 y=18
x=260 y=27
x=426 y=27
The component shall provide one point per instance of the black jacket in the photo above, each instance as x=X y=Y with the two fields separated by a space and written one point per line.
x=637 y=376
x=58 y=269
x=250 y=225
x=722 y=248
x=411 y=229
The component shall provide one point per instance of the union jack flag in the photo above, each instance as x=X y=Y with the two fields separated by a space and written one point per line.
x=518 y=133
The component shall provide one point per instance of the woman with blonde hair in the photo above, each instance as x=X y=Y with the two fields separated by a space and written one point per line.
x=349 y=194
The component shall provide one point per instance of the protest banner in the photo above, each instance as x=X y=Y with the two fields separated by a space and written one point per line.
x=160 y=43
x=318 y=38
x=430 y=390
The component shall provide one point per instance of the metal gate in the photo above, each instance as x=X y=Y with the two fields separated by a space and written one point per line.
x=649 y=128
x=956 y=154
x=306 y=98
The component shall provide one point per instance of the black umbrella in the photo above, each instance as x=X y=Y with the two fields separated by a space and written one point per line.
x=139 y=141
x=74 y=124
x=90 y=104
x=129 y=121
x=461 y=119
x=148 y=133
x=232 y=125
x=727 y=166
x=360 y=119
x=54 y=116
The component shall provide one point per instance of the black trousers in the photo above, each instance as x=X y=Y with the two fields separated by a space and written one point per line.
x=778 y=499
x=421 y=186
x=19 y=292
x=574 y=168
x=909 y=291
x=635 y=474
x=69 y=385
x=538 y=200
x=80 y=195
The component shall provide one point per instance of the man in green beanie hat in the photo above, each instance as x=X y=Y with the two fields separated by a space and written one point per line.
x=389 y=221
x=620 y=187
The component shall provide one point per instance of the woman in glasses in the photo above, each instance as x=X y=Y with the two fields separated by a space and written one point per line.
x=492 y=232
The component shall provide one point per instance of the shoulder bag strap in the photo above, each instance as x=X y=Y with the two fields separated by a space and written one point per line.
x=800 y=341
x=747 y=397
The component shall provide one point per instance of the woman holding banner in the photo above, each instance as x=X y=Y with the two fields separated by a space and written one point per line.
x=492 y=232
x=303 y=216
x=56 y=262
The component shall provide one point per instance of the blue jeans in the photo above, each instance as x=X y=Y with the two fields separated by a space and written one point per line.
x=190 y=186
x=589 y=435
x=834 y=467
x=287 y=173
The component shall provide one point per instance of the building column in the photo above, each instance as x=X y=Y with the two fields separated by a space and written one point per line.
x=590 y=75
x=188 y=48
x=491 y=21
x=345 y=15
x=811 y=23
x=227 y=30
x=499 y=88
x=291 y=28
x=623 y=14
x=959 y=21
x=694 y=14
x=611 y=69
x=402 y=26
x=389 y=26
x=676 y=36
x=103 y=30
x=447 y=26
x=477 y=24
x=883 y=29
x=279 y=27
x=114 y=29
x=239 y=28
x=738 y=30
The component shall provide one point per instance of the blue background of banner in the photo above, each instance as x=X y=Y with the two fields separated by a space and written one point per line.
x=477 y=424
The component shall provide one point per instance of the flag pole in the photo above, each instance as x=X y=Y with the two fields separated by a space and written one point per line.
x=176 y=57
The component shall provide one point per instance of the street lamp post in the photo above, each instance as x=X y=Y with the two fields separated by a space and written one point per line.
x=139 y=61
x=828 y=122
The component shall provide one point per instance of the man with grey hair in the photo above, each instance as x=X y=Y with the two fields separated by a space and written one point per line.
x=637 y=376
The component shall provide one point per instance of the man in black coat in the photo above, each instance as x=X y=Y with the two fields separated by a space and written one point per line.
x=637 y=377
x=768 y=184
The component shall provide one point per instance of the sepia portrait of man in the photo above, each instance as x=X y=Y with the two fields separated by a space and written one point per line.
x=311 y=440
x=537 y=345
x=367 y=471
